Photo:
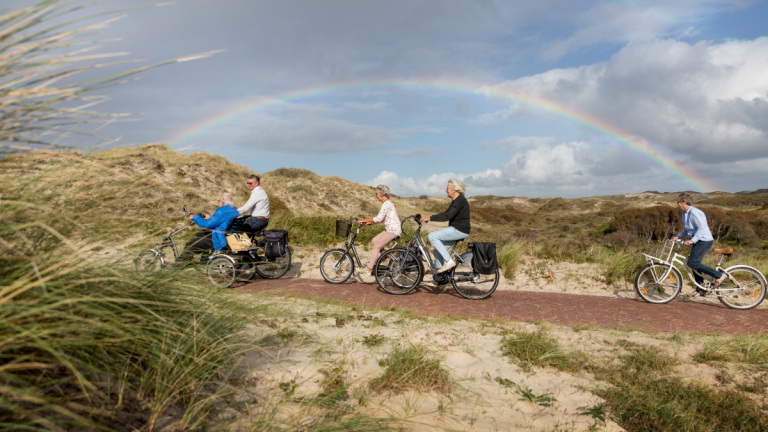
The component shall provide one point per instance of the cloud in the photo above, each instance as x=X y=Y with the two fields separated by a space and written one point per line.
x=519 y=142
x=548 y=165
x=705 y=101
x=321 y=136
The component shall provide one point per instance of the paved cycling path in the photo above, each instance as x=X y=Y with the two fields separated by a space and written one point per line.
x=561 y=309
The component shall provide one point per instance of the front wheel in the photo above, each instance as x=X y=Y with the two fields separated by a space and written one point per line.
x=274 y=268
x=650 y=286
x=470 y=284
x=221 y=271
x=336 y=266
x=150 y=261
x=398 y=271
x=743 y=288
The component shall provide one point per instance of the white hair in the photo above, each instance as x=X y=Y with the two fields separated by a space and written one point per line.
x=228 y=200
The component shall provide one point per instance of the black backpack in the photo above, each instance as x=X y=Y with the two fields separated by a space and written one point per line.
x=484 y=257
x=275 y=242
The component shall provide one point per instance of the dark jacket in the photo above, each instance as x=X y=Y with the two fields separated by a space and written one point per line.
x=457 y=214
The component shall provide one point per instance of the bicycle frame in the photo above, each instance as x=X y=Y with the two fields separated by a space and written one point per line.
x=419 y=242
x=349 y=245
x=678 y=260
x=169 y=241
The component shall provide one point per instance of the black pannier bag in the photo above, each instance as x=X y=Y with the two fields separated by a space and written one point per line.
x=484 y=257
x=275 y=242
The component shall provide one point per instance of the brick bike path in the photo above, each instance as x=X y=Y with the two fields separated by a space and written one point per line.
x=561 y=309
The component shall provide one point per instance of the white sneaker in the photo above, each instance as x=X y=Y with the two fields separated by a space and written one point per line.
x=447 y=266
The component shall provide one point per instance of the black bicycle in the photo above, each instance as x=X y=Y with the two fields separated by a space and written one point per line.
x=401 y=269
x=337 y=265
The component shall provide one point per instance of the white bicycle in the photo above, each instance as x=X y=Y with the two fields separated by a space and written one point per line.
x=660 y=281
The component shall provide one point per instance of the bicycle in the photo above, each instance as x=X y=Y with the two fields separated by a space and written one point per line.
x=223 y=268
x=337 y=265
x=660 y=281
x=154 y=260
x=399 y=270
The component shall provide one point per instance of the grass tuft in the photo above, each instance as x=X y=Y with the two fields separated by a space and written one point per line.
x=411 y=368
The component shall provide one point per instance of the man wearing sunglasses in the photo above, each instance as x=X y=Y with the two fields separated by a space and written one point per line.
x=257 y=206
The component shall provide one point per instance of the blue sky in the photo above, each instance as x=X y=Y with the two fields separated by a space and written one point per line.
x=552 y=98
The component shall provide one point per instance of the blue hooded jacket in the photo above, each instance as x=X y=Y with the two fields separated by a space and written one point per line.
x=218 y=222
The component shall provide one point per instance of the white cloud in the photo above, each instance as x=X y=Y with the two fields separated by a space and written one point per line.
x=546 y=165
x=706 y=101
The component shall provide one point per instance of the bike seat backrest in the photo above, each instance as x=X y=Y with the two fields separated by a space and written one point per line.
x=236 y=224
x=724 y=251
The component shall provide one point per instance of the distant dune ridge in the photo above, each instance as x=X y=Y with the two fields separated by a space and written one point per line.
x=163 y=179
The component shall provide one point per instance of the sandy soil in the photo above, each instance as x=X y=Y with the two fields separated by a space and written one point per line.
x=297 y=342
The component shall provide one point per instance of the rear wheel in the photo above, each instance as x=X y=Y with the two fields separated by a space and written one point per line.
x=274 y=268
x=743 y=288
x=336 y=266
x=149 y=261
x=398 y=271
x=246 y=271
x=221 y=271
x=470 y=284
x=650 y=286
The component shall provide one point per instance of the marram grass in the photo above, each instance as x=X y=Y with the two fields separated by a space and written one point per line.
x=85 y=344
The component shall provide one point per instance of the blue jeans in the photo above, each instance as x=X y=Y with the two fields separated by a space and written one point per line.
x=442 y=240
x=698 y=250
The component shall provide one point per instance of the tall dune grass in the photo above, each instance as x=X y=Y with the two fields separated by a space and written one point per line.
x=86 y=344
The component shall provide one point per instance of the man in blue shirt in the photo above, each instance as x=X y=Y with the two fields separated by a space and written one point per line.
x=213 y=237
x=700 y=239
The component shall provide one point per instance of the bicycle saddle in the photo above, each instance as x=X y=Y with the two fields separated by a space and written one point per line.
x=724 y=251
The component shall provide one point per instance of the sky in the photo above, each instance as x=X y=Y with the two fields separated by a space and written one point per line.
x=550 y=98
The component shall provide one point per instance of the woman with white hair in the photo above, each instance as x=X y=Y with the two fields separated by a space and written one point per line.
x=392 y=229
x=457 y=217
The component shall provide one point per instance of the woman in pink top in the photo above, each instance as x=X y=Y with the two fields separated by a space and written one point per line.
x=388 y=215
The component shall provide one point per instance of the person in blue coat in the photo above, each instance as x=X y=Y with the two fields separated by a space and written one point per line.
x=213 y=237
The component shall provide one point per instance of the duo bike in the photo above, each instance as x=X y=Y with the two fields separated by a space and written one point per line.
x=223 y=268
x=660 y=281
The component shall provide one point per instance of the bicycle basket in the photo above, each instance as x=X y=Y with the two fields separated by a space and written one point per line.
x=663 y=251
x=342 y=228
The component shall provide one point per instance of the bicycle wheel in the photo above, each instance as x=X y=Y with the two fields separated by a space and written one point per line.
x=149 y=262
x=276 y=267
x=743 y=288
x=470 y=284
x=394 y=277
x=221 y=271
x=336 y=266
x=651 y=288
x=246 y=271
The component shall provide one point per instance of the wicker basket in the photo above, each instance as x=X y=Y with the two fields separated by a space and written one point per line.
x=342 y=228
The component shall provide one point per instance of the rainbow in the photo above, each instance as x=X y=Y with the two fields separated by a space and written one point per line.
x=624 y=138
